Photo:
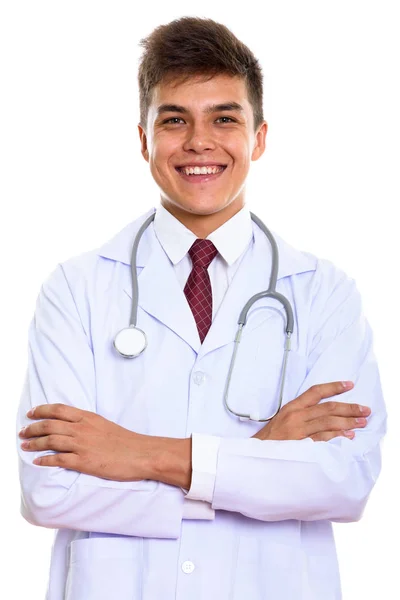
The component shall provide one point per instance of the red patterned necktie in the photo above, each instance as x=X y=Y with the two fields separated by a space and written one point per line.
x=198 y=286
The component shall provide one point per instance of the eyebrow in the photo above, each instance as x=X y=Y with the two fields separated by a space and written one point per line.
x=226 y=106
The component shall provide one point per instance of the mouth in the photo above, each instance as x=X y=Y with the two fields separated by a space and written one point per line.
x=196 y=174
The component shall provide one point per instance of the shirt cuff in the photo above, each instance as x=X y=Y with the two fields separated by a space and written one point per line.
x=204 y=467
x=196 y=509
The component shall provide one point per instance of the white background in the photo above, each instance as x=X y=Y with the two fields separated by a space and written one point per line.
x=72 y=176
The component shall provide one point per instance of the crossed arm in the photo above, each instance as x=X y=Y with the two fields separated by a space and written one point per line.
x=88 y=443
x=102 y=477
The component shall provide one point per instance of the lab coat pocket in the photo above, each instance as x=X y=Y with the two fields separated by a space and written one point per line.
x=268 y=569
x=106 y=567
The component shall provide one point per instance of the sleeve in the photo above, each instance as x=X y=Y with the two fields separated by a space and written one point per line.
x=275 y=480
x=199 y=510
x=61 y=370
x=204 y=468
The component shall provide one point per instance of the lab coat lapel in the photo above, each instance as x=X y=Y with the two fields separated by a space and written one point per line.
x=251 y=277
x=160 y=294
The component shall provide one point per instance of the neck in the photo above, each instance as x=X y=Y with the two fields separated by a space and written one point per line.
x=202 y=224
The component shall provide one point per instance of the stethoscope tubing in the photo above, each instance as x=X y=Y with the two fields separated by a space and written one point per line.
x=269 y=293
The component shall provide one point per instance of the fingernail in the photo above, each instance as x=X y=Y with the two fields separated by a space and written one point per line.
x=349 y=433
x=31 y=412
x=364 y=409
x=347 y=384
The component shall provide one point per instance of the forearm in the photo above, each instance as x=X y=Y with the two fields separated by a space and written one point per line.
x=67 y=499
x=171 y=461
x=70 y=498
x=295 y=479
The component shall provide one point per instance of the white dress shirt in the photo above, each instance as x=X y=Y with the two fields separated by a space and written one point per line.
x=231 y=240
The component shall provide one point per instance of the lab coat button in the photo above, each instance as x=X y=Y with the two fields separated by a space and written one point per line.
x=198 y=377
x=187 y=567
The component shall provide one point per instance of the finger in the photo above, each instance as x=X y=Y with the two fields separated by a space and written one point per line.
x=47 y=427
x=320 y=391
x=59 y=443
x=65 y=461
x=56 y=411
x=332 y=423
x=339 y=409
x=325 y=436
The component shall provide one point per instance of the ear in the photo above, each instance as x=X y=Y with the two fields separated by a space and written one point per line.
x=143 y=143
x=259 y=143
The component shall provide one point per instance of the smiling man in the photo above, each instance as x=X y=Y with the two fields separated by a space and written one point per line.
x=200 y=152
x=167 y=472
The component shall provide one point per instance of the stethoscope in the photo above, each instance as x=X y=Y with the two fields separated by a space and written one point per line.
x=131 y=341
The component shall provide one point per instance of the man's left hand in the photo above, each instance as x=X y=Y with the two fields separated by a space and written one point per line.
x=87 y=442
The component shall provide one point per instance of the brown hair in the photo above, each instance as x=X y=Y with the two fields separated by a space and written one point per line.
x=192 y=46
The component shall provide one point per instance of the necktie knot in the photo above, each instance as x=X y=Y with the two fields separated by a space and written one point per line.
x=202 y=253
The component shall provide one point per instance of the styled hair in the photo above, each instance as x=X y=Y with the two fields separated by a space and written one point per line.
x=193 y=46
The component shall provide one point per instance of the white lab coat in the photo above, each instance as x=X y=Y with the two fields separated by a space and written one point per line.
x=274 y=501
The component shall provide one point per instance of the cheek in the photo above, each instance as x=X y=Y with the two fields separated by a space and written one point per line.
x=162 y=155
x=239 y=149
x=158 y=162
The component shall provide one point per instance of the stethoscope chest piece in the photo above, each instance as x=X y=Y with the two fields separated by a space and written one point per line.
x=130 y=342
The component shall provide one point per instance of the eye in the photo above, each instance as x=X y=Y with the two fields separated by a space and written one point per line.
x=229 y=119
x=172 y=119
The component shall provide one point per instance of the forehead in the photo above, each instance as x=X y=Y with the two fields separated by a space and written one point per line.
x=201 y=90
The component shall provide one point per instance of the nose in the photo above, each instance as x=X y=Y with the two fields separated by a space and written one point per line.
x=198 y=139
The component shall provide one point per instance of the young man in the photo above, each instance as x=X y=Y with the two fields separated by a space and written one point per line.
x=156 y=488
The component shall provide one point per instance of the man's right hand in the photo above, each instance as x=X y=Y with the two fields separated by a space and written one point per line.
x=303 y=417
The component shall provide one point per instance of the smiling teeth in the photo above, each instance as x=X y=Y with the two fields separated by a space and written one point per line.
x=201 y=170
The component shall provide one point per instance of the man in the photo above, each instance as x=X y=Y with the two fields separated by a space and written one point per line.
x=156 y=488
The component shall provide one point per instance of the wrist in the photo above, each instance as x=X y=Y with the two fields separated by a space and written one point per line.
x=262 y=434
x=172 y=462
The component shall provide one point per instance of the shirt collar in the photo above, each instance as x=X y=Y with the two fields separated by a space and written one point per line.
x=230 y=239
x=119 y=248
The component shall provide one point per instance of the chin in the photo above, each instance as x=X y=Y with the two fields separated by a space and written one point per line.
x=203 y=208
x=200 y=206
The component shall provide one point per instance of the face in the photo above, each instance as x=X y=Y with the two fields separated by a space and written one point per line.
x=199 y=141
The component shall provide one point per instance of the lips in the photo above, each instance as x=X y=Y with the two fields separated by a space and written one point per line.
x=195 y=169
x=209 y=164
x=201 y=177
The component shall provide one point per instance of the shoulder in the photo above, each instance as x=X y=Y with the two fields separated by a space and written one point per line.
x=320 y=272
x=320 y=282
x=334 y=295
x=79 y=270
